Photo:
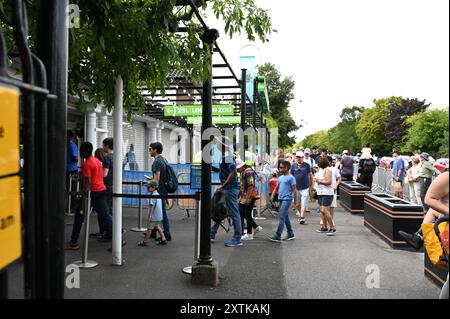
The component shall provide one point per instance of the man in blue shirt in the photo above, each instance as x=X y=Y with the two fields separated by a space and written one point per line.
x=230 y=189
x=286 y=193
x=398 y=173
x=304 y=178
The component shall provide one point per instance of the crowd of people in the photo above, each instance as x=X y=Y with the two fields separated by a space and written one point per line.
x=298 y=178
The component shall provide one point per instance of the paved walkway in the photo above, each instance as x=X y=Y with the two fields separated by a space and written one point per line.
x=311 y=266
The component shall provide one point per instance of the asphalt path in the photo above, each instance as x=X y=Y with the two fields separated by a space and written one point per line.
x=313 y=266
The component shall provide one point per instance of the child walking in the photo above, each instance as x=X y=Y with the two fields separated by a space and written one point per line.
x=154 y=216
x=286 y=190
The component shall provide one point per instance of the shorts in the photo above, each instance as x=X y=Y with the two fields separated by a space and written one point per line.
x=302 y=197
x=334 y=202
x=325 y=200
x=153 y=223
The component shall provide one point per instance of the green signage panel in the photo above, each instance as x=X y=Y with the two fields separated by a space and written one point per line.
x=216 y=120
x=197 y=110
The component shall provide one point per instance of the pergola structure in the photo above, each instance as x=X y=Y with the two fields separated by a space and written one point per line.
x=227 y=89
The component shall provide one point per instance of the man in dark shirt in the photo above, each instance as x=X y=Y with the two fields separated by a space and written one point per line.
x=108 y=149
x=346 y=168
x=159 y=169
x=304 y=178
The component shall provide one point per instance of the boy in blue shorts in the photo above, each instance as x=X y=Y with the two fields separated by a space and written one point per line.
x=154 y=216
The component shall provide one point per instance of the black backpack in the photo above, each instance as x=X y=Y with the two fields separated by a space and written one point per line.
x=369 y=166
x=171 y=184
x=219 y=208
x=171 y=181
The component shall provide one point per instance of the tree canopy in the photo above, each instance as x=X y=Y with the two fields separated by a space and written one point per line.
x=138 y=40
x=280 y=92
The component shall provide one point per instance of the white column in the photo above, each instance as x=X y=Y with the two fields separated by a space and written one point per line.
x=91 y=125
x=159 y=129
x=153 y=135
x=117 y=175
x=102 y=128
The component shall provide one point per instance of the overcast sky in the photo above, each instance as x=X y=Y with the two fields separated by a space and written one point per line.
x=349 y=52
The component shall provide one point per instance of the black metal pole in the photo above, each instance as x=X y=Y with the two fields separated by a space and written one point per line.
x=20 y=28
x=205 y=218
x=255 y=101
x=243 y=99
x=52 y=47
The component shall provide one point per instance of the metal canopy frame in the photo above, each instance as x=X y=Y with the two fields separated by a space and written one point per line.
x=182 y=91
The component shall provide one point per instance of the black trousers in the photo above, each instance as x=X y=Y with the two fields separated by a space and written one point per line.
x=246 y=213
x=424 y=185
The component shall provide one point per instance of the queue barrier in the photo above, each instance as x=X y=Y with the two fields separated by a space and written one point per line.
x=86 y=263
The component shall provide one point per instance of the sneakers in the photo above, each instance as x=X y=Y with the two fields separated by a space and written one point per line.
x=71 y=246
x=247 y=237
x=331 y=232
x=162 y=242
x=258 y=229
x=232 y=243
x=274 y=238
x=142 y=243
x=322 y=230
x=415 y=240
x=302 y=220
x=289 y=237
x=95 y=235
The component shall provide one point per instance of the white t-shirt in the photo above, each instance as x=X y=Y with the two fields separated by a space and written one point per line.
x=335 y=176
x=321 y=188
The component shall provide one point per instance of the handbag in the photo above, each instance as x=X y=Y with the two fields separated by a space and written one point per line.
x=435 y=238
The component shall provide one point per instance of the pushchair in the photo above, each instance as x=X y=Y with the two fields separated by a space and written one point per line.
x=437 y=250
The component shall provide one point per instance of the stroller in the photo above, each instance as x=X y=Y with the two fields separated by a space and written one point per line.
x=436 y=241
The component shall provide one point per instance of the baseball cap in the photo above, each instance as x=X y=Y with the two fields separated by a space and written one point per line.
x=299 y=154
x=153 y=183
x=345 y=152
x=307 y=151
x=425 y=156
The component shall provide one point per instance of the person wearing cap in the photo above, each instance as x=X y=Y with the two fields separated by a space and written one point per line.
x=230 y=189
x=346 y=168
x=155 y=216
x=247 y=197
x=304 y=179
x=426 y=173
x=308 y=159
x=398 y=173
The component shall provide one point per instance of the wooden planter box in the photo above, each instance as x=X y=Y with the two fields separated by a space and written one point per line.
x=436 y=274
x=352 y=196
x=385 y=215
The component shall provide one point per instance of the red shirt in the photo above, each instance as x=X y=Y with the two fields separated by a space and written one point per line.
x=273 y=184
x=93 y=169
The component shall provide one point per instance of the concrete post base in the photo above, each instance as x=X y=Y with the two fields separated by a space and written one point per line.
x=205 y=274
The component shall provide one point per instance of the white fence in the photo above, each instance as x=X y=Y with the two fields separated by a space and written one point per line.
x=382 y=183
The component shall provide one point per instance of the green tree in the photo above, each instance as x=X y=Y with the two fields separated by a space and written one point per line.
x=343 y=135
x=395 y=126
x=370 y=127
x=319 y=138
x=280 y=95
x=137 y=39
x=428 y=132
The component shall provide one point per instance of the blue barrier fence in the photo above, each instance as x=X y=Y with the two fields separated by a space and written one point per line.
x=183 y=172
